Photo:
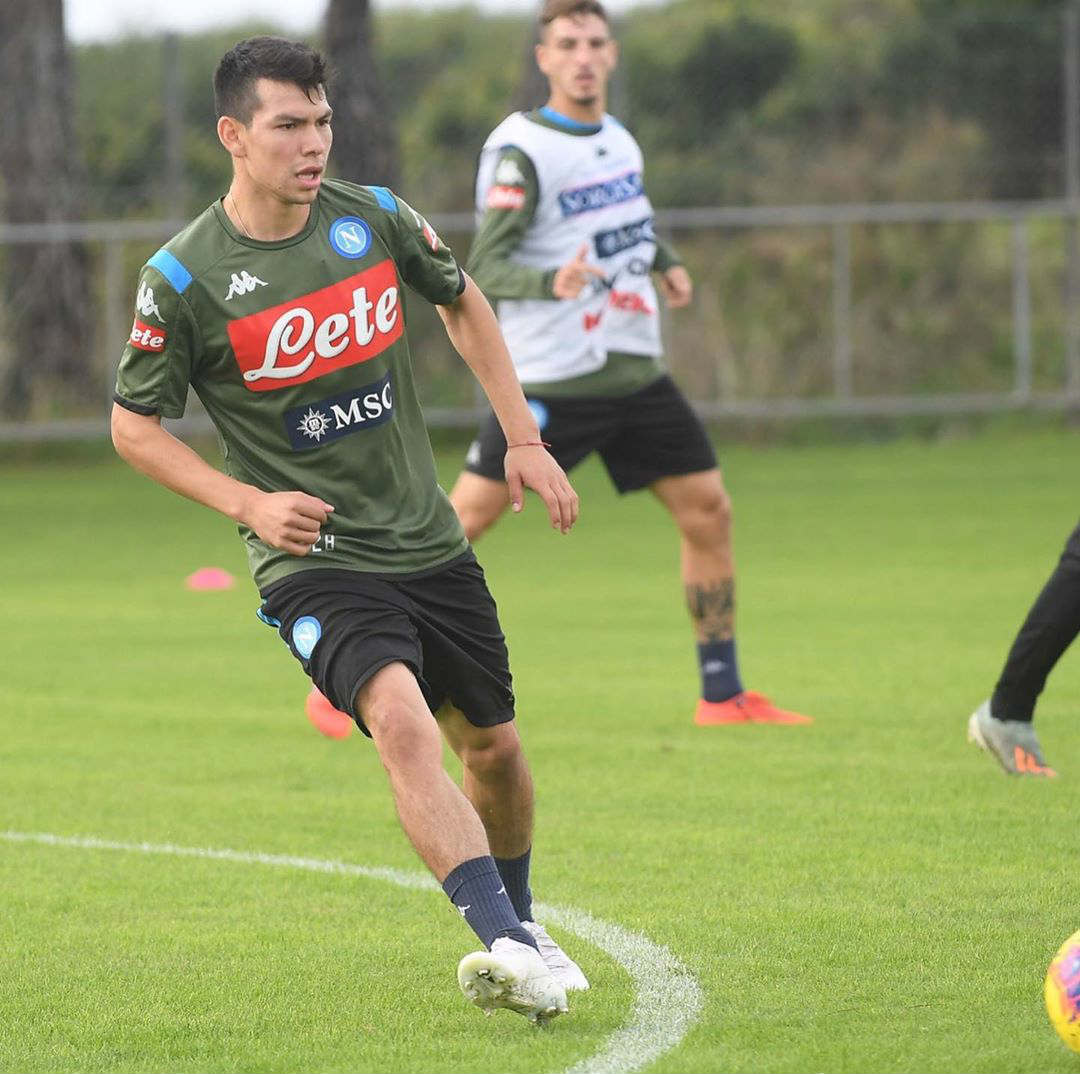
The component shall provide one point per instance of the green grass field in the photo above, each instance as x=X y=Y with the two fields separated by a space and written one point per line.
x=866 y=894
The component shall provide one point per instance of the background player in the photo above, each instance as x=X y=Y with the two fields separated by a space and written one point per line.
x=282 y=306
x=1003 y=725
x=566 y=244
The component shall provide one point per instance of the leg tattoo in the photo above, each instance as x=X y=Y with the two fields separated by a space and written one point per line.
x=712 y=608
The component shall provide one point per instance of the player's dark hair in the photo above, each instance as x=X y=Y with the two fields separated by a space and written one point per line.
x=274 y=58
x=557 y=9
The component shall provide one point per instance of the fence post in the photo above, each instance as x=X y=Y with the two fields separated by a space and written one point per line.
x=116 y=326
x=1021 y=296
x=842 y=364
x=1071 y=70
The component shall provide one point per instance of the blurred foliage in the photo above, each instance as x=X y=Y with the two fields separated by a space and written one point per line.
x=733 y=102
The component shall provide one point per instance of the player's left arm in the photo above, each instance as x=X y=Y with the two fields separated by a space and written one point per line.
x=675 y=283
x=474 y=331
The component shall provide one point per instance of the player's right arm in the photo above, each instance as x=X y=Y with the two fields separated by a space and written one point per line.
x=509 y=206
x=162 y=353
x=290 y=521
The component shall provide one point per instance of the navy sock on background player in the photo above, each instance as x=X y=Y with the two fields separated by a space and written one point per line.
x=719 y=670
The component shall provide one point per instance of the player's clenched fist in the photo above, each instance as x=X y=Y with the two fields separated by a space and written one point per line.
x=290 y=521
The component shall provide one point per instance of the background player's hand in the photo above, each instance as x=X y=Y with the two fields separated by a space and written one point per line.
x=530 y=466
x=677 y=287
x=290 y=521
x=574 y=275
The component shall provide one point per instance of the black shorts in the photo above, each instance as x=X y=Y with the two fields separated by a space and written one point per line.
x=642 y=437
x=343 y=626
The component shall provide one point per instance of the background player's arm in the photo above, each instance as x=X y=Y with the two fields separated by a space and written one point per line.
x=474 y=332
x=675 y=282
x=285 y=520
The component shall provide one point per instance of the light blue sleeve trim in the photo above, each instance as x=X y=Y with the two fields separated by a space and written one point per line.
x=171 y=269
x=384 y=198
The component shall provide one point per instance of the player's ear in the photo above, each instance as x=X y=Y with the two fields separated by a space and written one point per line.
x=230 y=133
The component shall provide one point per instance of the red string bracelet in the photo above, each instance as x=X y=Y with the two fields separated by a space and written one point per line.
x=529 y=443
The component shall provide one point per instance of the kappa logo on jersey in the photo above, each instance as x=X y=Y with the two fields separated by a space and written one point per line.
x=615 y=191
x=146 y=337
x=350 y=236
x=348 y=322
x=609 y=243
x=243 y=284
x=144 y=302
x=509 y=173
x=505 y=197
x=425 y=229
x=315 y=424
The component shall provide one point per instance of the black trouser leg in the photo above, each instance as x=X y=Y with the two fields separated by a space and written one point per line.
x=1050 y=626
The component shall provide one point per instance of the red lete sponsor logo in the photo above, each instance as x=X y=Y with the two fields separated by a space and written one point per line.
x=348 y=322
x=147 y=337
x=505 y=197
x=628 y=301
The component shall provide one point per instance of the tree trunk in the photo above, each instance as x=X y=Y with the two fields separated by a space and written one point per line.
x=365 y=148
x=44 y=285
x=532 y=88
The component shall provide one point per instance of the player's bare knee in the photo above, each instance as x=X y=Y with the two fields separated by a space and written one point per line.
x=707 y=522
x=402 y=735
x=492 y=752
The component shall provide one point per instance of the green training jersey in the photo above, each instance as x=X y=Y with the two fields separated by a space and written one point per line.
x=298 y=351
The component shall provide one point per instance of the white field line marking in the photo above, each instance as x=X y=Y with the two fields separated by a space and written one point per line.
x=667 y=997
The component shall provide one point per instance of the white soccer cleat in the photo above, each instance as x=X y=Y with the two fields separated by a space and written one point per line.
x=514 y=976
x=563 y=968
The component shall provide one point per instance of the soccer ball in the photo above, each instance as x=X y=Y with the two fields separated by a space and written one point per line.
x=1062 y=992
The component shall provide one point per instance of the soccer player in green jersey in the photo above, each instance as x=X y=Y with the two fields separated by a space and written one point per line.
x=283 y=306
x=566 y=246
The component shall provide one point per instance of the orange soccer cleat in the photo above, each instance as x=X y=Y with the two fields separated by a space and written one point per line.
x=747 y=707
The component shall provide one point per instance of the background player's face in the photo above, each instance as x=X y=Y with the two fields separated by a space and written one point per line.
x=287 y=142
x=577 y=54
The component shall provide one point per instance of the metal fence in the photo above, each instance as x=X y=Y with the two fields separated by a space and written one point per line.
x=844 y=353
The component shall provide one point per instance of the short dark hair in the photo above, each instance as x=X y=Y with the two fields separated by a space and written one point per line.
x=274 y=58
x=557 y=9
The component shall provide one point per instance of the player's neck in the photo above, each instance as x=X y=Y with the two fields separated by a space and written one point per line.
x=259 y=216
x=590 y=113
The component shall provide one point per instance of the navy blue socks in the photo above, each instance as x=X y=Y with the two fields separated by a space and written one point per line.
x=477 y=890
x=515 y=875
x=719 y=670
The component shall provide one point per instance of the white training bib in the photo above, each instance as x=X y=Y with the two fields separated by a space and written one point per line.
x=591 y=191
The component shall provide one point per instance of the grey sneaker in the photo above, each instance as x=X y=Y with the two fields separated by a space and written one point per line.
x=563 y=968
x=514 y=976
x=1012 y=742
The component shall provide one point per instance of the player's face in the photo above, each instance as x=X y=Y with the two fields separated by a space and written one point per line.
x=287 y=142
x=577 y=55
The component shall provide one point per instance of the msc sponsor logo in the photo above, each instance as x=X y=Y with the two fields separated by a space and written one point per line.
x=315 y=424
x=350 y=236
x=146 y=337
x=584 y=199
x=348 y=322
x=610 y=243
